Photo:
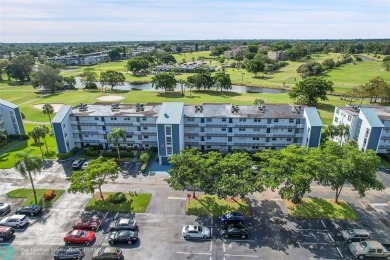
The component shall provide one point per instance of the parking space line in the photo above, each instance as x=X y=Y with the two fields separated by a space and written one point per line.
x=224 y=248
x=309 y=243
x=340 y=252
x=311 y=229
x=331 y=238
x=176 y=198
x=236 y=240
x=188 y=253
x=253 y=256
x=211 y=245
x=323 y=223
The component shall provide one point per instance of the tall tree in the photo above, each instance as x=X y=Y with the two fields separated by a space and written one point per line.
x=36 y=133
x=137 y=64
x=28 y=164
x=112 y=78
x=343 y=133
x=70 y=82
x=48 y=109
x=20 y=67
x=254 y=66
x=47 y=77
x=183 y=84
x=44 y=132
x=186 y=170
x=386 y=63
x=89 y=76
x=164 y=80
x=343 y=164
x=201 y=80
x=222 y=81
x=115 y=135
x=97 y=173
x=310 y=68
x=312 y=88
x=3 y=65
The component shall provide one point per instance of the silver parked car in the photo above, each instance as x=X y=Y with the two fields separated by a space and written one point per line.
x=355 y=235
x=4 y=207
x=14 y=221
x=195 y=231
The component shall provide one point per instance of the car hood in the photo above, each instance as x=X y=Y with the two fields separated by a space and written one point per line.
x=206 y=230
x=345 y=234
x=358 y=247
x=3 y=206
x=112 y=224
x=4 y=220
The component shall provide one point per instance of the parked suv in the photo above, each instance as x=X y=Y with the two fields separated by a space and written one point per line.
x=355 y=235
x=235 y=230
x=14 y=221
x=6 y=233
x=78 y=163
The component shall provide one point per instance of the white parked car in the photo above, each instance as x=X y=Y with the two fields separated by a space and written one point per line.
x=4 y=207
x=195 y=231
x=85 y=164
x=14 y=221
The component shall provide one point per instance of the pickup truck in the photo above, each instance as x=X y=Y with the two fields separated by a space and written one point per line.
x=370 y=249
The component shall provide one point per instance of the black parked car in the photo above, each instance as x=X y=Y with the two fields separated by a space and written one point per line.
x=29 y=210
x=67 y=252
x=124 y=236
x=237 y=230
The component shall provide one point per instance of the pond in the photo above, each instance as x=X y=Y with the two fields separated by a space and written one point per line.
x=148 y=87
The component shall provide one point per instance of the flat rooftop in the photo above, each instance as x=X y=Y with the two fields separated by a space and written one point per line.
x=208 y=110
x=381 y=111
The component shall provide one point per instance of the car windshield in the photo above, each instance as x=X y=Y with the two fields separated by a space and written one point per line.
x=101 y=251
x=364 y=245
x=351 y=232
x=200 y=229
x=83 y=234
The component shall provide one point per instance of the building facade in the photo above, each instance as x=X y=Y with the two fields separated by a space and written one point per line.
x=172 y=126
x=11 y=118
x=369 y=126
x=275 y=55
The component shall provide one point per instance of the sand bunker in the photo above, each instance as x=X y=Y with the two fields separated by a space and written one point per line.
x=110 y=98
x=55 y=106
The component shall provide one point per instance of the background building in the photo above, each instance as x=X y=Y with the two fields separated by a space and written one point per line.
x=172 y=126
x=275 y=55
x=10 y=118
x=369 y=126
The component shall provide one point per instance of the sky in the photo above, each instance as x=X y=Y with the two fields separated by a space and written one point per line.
x=151 y=20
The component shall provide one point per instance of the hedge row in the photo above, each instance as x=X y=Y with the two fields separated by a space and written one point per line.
x=145 y=165
x=112 y=154
x=64 y=156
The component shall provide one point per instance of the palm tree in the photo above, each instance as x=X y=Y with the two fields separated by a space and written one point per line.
x=115 y=135
x=48 y=109
x=189 y=86
x=28 y=164
x=44 y=131
x=343 y=132
x=36 y=133
x=182 y=83
x=331 y=131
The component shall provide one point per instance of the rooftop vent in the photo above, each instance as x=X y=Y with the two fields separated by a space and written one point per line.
x=235 y=109
x=139 y=107
x=296 y=109
x=356 y=108
x=199 y=109
x=83 y=107
x=261 y=108
x=115 y=107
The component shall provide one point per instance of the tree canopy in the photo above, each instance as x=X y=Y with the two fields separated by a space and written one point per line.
x=137 y=64
x=20 y=67
x=310 y=68
x=254 y=66
x=311 y=89
x=47 y=77
x=222 y=81
x=164 y=80
x=112 y=78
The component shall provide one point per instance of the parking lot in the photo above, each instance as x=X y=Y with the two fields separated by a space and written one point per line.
x=272 y=233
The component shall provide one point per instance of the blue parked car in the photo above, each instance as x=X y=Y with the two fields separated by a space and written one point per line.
x=232 y=218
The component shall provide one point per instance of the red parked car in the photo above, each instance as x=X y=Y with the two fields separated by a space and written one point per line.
x=87 y=223
x=79 y=236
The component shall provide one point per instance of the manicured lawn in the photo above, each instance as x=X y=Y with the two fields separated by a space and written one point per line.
x=207 y=205
x=321 y=209
x=385 y=163
x=28 y=194
x=9 y=159
x=135 y=203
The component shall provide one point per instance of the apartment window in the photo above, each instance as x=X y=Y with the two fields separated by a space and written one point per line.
x=242 y=119
x=209 y=119
x=208 y=137
x=291 y=120
x=113 y=118
x=268 y=130
x=223 y=119
x=276 y=120
x=255 y=147
x=169 y=150
x=129 y=136
x=337 y=110
x=191 y=137
x=274 y=139
x=223 y=129
x=241 y=129
x=256 y=138
x=169 y=140
x=256 y=129
x=289 y=130
x=288 y=139
x=349 y=117
x=144 y=119
x=146 y=137
x=96 y=118
x=257 y=120
x=336 y=119
x=63 y=126
x=168 y=130
x=86 y=135
x=190 y=119
x=145 y=128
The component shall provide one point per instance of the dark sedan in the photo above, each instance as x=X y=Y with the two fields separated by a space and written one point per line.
x=67 y=252
x=232 y=218
x=29 y=210
x=6 y=233
x=124 y=236
x=235 y=231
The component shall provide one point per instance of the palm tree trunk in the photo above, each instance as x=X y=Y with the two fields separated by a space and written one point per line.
x=49 y=117
x=117 y=149
x=33 y=188
x=40 y=148
x=47 y=149
x=101 y=193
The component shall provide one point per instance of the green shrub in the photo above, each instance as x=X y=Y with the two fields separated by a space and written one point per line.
x=114 y=154
x=20 y=137
x=144 y=157
x=117 y=198
x=3 y=143
x=64 y=156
